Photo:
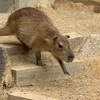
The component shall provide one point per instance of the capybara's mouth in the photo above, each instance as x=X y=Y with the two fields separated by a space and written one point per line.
x=70 y=58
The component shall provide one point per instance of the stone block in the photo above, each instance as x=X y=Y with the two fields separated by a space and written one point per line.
x=3 y=61
x=12 y=45
x=26 y=75
x=13 y=49
x=77 y=43
x=91 y=47
x=5 y=52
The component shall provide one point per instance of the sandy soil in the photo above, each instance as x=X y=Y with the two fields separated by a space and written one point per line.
x=83 y=19
x=84 y=86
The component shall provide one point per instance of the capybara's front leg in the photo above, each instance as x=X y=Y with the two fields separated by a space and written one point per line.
x=62 y=66
x=38 y=59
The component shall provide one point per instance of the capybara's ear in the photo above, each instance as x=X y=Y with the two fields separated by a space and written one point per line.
x=55 y=37
x=67 y=36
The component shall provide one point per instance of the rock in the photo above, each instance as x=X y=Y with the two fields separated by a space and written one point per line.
x=91 y=46
x=26 y=75
x=6 y=51
x=3 y=61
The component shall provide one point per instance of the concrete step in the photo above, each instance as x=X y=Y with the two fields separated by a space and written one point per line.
x=11 y=45
x=13 y=49
x=6 y=51
x=18 y=95
x=28 y=74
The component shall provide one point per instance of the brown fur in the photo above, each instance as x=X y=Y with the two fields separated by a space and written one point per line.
x=35 y=29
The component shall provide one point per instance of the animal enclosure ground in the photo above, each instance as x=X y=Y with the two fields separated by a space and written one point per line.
x=72 y=17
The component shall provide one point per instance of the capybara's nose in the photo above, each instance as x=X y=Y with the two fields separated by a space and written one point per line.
x=70 y=57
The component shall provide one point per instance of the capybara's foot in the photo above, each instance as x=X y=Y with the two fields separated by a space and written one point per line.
x=39 y=63
x=66 y=72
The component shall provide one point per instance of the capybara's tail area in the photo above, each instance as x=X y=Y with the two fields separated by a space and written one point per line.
x=5 y=31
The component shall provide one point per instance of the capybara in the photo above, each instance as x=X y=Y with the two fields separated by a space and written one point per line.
x=35 y=29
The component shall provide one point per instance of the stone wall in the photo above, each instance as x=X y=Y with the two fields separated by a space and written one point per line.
x=5 y=5
x=9 y=5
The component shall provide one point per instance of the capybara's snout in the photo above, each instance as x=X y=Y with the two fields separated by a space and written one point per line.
x=70 y=56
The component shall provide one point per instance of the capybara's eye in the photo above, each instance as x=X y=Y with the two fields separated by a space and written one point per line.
x=60 y=46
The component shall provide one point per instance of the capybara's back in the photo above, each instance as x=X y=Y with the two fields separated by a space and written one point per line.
x=28 y=23
x=35 y=30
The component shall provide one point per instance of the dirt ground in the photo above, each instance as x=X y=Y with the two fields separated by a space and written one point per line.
x=81 y=17
x=85 y=86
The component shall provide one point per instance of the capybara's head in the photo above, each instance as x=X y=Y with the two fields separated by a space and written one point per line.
x=62 y=49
